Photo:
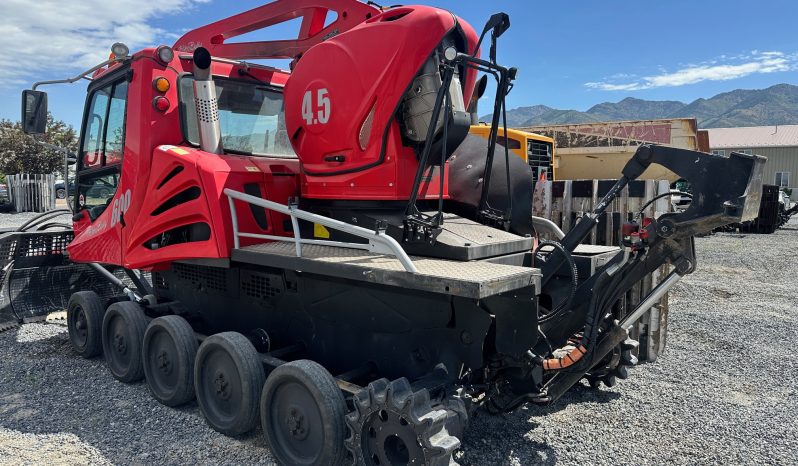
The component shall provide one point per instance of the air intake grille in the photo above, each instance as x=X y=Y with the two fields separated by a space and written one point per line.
x=261 y=286
x=209 y=278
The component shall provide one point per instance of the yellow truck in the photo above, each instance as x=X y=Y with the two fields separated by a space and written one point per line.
x=600 y=150
x=534 y=149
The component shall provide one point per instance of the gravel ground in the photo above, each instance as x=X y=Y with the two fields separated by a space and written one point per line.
x=725 y=391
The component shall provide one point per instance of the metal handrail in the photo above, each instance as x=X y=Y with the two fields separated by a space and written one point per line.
x=379 y=242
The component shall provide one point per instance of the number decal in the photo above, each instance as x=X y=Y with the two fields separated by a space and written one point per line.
x=307 y=108
x=324 y=103
x=119 y=207
x=323 y=107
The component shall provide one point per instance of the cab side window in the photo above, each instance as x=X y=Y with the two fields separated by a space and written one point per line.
x=94 y=140
x=102 y=147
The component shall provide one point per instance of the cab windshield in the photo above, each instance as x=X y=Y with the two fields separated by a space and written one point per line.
x=251 y=115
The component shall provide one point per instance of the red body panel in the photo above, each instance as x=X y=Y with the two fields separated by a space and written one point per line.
x=154 y=146
x=314 y=14
x=367 y=69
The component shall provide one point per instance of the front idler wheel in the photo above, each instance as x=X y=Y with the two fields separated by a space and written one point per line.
x=228 y=379
x=170 y=348
x=303 y=414
x=84 y=323
x=123 y=333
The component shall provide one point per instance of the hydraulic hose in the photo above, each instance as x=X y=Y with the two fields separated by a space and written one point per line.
x=656 y=198
x=42 y=218
x=607 y=282
x=566 y=304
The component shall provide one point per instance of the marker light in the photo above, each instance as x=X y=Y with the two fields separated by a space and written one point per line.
x=450 y=53
x=120 y=50
x=161 y=103
x=165 y=54
x=161 y=84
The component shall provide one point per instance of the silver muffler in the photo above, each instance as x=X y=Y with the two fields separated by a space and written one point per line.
x=210 y=131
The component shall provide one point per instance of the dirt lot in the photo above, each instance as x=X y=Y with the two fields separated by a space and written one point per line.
x=725 y=391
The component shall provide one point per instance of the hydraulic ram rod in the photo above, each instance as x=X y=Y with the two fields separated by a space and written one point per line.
x=652 y=298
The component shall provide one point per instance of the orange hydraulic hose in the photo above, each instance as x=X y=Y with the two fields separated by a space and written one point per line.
x=572 y=357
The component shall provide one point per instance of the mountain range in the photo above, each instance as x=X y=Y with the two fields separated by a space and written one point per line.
x=776 y=105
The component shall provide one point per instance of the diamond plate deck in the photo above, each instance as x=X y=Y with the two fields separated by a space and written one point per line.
x=473 y=279
x=462 y=239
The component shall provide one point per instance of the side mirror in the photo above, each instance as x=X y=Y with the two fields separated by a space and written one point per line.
x=34 y=112
x=499 y=22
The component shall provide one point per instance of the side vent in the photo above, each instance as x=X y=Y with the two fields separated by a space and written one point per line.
x=180 y=198
x=261 y=286
x=175 y=171
x=259 y=213
x=207 y=278
x=191 y=233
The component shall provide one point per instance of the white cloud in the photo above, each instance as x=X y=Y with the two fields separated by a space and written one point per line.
x=722 y=68
x=40 y=37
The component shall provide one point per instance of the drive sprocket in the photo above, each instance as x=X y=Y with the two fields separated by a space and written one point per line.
x=614 y=366
x=394 y=425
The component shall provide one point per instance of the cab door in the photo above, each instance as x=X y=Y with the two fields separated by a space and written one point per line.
x=99 y=170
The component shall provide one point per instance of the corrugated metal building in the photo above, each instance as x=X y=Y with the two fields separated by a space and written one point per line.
x=778 y=143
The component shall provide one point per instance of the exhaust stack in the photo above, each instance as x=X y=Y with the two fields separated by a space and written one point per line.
x=209 y=129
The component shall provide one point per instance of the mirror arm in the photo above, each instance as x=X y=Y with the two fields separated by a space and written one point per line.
x=83 y=75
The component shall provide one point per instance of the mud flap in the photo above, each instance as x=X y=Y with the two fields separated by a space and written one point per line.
x=37 y=279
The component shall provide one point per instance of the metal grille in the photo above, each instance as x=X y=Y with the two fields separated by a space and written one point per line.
x=33 y=249
x=209 y=278
x=158 y=281
x=35 y=291
x=539 y=158
x=41 y=245
x=261 y=286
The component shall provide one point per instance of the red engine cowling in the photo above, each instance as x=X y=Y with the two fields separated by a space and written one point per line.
x=344 y=98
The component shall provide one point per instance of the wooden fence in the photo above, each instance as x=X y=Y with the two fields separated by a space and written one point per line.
x=564 y=202
x=31 y=193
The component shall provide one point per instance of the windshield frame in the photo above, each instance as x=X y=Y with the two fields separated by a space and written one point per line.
x=182 y=107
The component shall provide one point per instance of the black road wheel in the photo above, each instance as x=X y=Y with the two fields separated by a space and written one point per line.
x=61 y=193
x=84 y=323
x=303 y=415
x=169 y=350
x=123 y=333
x=228 y=378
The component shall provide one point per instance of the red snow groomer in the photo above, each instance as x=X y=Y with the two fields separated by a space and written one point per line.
x=327 y=251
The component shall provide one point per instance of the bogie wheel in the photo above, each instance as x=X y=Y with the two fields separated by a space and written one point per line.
x=228 y=379
x=84 y=323
x=303 y=415
x=123 y=333
x=170 y=348
x=394 y=425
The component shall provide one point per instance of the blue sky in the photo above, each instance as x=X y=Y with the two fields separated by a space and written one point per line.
x=570 y=55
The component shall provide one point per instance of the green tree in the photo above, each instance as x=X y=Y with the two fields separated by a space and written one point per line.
x=21 y=153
